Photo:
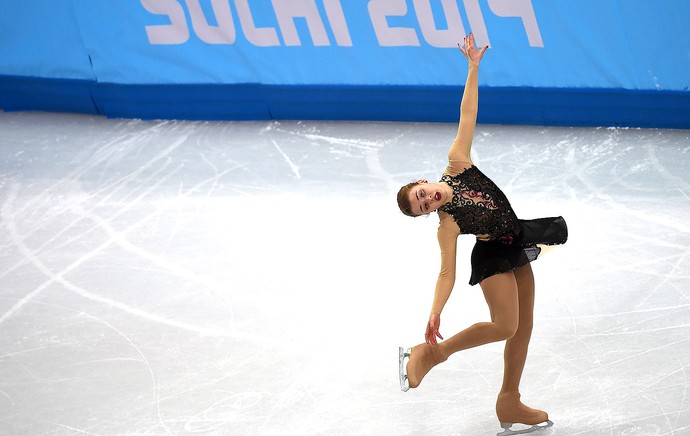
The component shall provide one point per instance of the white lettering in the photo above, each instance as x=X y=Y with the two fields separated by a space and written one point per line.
x=287 y=10
x=474 y=14
x=223 y=33
x=523 y=9
x=435 y=37
x=336 y=18
x=387 y=36
x=263 y=37
x=176 y=32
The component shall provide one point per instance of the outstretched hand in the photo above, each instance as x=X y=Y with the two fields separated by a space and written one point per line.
x=432 y=329
x=470 y=51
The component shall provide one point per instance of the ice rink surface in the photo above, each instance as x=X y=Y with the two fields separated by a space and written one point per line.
x=256 y=278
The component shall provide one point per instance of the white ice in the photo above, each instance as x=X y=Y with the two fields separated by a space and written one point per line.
x=256 y=278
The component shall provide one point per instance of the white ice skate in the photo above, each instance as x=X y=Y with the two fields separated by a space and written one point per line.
x=403 y=358
x=507 y=431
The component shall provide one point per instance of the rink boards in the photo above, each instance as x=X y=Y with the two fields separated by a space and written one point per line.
x=617 y=63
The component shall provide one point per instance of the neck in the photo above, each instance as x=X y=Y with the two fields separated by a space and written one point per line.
x=449 y=192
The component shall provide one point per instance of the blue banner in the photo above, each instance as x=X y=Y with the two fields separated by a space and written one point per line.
x=632 y=45
x=41 y=38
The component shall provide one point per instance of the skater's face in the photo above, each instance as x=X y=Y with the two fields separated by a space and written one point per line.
x=426 y=197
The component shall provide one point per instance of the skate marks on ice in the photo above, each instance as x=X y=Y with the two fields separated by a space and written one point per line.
x=627 y=329
x=144 y=278
x=146 y=288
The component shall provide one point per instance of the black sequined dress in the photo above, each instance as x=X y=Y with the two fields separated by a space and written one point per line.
x=504 y=242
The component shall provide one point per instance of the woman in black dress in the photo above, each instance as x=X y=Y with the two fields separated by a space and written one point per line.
x=468 y=202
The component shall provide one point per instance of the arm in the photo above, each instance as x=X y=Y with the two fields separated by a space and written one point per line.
x=460 y=150
x=447 y=241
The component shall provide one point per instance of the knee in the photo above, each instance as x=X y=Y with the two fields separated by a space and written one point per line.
x=525 y=328
x=506 y=330
x=523 y=334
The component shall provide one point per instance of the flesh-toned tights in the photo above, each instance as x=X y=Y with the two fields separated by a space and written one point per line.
x=510 y=297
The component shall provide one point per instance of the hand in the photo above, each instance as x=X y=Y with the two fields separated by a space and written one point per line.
x=470 y=51
x=432 y=329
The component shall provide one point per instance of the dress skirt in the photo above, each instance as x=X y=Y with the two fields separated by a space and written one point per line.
x=498 y=256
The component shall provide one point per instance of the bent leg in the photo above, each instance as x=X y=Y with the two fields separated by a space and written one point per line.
x=501 y=293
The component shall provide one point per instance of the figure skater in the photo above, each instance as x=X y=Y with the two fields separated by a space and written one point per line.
x=468 y=202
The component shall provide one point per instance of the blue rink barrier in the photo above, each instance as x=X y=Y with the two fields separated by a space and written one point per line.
x=618 y=63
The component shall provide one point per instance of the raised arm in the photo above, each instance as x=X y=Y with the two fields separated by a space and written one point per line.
x=462 y=145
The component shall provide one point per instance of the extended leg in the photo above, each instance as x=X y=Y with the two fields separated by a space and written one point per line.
x=509 y=408
x=515 y=353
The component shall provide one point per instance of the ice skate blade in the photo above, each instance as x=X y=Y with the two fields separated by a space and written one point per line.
x=537 y=427
x=403 y=358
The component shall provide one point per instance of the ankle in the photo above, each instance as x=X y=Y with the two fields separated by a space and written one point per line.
x=430 y=353
x=508 y=394
x=440 y=353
